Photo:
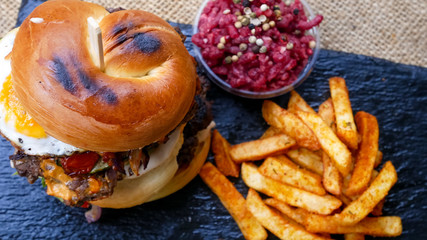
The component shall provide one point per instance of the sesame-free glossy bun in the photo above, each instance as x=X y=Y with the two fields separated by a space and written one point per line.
x=146 y=89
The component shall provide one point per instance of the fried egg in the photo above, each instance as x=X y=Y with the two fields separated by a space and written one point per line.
x=15 y=124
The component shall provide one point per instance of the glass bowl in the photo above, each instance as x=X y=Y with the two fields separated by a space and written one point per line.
x=267 y=94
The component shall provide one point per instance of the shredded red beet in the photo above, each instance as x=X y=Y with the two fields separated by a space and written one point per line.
x=257 y=46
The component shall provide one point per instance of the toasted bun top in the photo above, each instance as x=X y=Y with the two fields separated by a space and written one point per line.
x=146 y=90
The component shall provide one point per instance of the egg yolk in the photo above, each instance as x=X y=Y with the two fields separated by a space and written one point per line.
x=24 y=124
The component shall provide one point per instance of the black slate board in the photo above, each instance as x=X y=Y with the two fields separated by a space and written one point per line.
x=395 y=93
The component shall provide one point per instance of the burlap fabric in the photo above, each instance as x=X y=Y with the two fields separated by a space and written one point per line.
x=391 y=29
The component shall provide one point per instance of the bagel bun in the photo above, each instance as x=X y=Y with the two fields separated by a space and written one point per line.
x=147 y=88
x=136 y=131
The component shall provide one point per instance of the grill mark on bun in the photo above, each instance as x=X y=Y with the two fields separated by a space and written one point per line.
x=62 y=75
x=146 y=42
x=112 y=10
x=106 y=94
x=119 y=28
x=116 y=36
x=87 y=82
x=116 y=42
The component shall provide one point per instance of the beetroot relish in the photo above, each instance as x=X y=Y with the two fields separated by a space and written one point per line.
x=287 y=47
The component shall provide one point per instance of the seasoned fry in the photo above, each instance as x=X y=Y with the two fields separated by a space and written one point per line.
x=344 y=199
x=378 y=159
x=366 y=154
x=375 y=226
x=233 y=201
x=291 y=195
x=290 y=124
x=220 y=148
x=346 y=181
x=332 y=180
x=307 y=159
x=261 y=148
x=354 y=236
x=346 y=129
x=299 y=215
x=271 y=131
x=365 y=203
x=378 y=209
x=327 y=113
x=297 y=103
x=374 y=174
x=329 y=142
x=282 y=169
x=273 y=221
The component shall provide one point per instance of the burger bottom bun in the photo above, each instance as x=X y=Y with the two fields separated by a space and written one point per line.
x=159 y=182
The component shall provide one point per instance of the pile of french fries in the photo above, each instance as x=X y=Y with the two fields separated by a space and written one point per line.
x=317 y=168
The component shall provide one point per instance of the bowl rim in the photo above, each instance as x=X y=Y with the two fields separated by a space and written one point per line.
x=267 y=94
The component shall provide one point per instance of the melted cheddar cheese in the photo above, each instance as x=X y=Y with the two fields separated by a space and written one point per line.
x=57 y=182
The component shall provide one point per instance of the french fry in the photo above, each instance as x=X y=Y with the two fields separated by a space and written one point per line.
x=346 y=181
x=346 y=129
x=329 y=142
x=378 y=209
x=273 y=221
x=375 y=226
x=290 y=124
x=327 y=113
x=291 y=195
x=365 y=203
x=261 y=148
x=354 y=236
x=297 y=103
x=307 y=159
x=378 y=159
x=220 y=148
x=374 y=174
x=233 y=201
x=271 y=131
x=282 y=169
x=366 y=154
x=344 y=199
x=332 y=180
x=299 y=215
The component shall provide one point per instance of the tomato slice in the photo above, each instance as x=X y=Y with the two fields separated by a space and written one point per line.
x=80 y=163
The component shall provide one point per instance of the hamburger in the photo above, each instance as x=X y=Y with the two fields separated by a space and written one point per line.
x=134 y=132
